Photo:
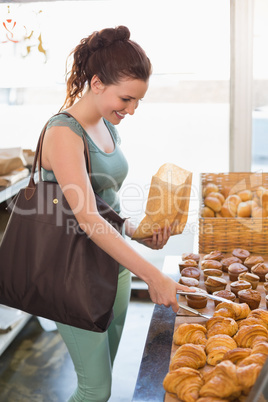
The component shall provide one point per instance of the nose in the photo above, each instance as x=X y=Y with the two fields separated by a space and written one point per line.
x=132 y=107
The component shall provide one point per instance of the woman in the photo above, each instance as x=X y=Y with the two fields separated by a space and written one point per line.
x=109 y=77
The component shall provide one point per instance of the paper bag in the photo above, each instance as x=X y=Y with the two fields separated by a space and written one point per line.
x=168 y=201
x=11 y=159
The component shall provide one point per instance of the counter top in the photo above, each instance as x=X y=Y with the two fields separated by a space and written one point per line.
x=156 y=356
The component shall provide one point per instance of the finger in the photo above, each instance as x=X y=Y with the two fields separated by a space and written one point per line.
x=185 y=288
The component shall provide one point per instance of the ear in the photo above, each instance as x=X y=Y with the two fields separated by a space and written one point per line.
x=96 y=84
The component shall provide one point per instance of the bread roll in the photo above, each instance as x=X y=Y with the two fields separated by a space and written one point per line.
x=210 y=188
x=213 y=203
x=244 y=210
x=245 y=195
x=207 y=212
x=220 y=196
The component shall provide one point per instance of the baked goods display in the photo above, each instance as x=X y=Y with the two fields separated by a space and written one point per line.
x=221 y=357
x=224 y=202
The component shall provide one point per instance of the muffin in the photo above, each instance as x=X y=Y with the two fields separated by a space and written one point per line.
x=241 y=253
x=187 y=263
x=251 y=278
x=265 y=287
x=211 y=264
x=260 y=269
x=187 y=281
x=235 y=269
x=197 y=301
x=251 y=297
x=253 y=260
x=212 y=272
x=191 y=272
x=225 y=294
x=227 y=261
x=190 y=256
x=214 y=283
x=214 y=255
x=239 y=285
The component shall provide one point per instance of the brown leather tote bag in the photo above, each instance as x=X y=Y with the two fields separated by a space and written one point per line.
x=49 y=267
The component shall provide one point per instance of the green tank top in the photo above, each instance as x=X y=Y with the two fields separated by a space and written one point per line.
x=108 y=169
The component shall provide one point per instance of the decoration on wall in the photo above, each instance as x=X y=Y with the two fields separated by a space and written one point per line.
x=22 y=31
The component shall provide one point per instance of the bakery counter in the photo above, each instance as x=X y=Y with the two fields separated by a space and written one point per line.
x=158 y=348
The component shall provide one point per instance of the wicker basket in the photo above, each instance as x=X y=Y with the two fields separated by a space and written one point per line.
x=225 y=234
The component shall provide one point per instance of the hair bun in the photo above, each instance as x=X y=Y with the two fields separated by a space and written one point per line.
x=121 y=33
x=108 y=36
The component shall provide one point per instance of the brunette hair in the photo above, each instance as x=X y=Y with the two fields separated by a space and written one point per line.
x=110 y=55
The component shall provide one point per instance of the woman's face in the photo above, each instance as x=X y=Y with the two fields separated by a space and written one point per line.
x=116 y=101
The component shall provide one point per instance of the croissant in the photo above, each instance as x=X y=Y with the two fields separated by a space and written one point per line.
x=246 y=335
x=218 y=341
x=251 y=321
x=247 y=376
x=257 y=340
x=237 y=311
x=222 y=383
x=185 y=382
x=221 y=325
x=190 y=333
x=261 y=347
x=257 y=358
x=261 y=314
x=211 y=399
x=188 y=355
x=237 y=354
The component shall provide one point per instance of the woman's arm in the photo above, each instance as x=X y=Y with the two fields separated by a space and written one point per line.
x=63 y=152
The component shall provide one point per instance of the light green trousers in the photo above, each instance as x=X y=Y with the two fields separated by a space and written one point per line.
x=93 y=353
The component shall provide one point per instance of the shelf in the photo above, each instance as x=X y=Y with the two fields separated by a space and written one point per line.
x=7 y=338
x=7 y=192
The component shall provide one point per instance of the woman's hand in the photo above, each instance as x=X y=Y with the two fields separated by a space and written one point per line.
x=163 y=290
x=158 y=240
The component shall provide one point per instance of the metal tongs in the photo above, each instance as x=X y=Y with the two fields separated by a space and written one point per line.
x=209 y=296
x=192 y=310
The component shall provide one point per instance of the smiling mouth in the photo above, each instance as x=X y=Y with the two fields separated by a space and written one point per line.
x=120 y=115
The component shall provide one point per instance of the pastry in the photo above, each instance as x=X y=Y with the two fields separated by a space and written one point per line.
x=266 y=278
x=249 y=277
x=235 y=269
x=251 y=297
x=241 y=253
x=190 y=333
x=253 y=260
x=228 y=261
x=260 y=269
x=261 y=347
x=265 y=287
x=184 y=382
x=259 y=212
x=223 y=382
x=237 y=354
x=232 y=310
x=257 y=358
x=221 y=325
x=239 y=285
x=188 y=355
x=197 y=302
x=247 y=376
x=187 y=263
x=213 y=203
x=214 y=283
x=217 y=346
x=246 y=335
x=185 y=280
x=213 y=272
x=252 y=321
x=190 y=256
x=228 y=210
x=191 y=272
x=225 y=294
x=214 y=255
x=261 y=314
x=211 y=399
x=266 y=301
x=211 y=264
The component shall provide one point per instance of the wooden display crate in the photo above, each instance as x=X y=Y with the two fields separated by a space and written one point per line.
x=225 y=234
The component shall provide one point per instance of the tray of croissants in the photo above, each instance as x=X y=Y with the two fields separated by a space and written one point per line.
x=218 y=353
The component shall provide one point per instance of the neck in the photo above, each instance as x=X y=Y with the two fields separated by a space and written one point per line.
x=85 y=111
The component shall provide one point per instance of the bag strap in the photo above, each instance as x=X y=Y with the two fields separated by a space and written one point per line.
x=30 y=189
